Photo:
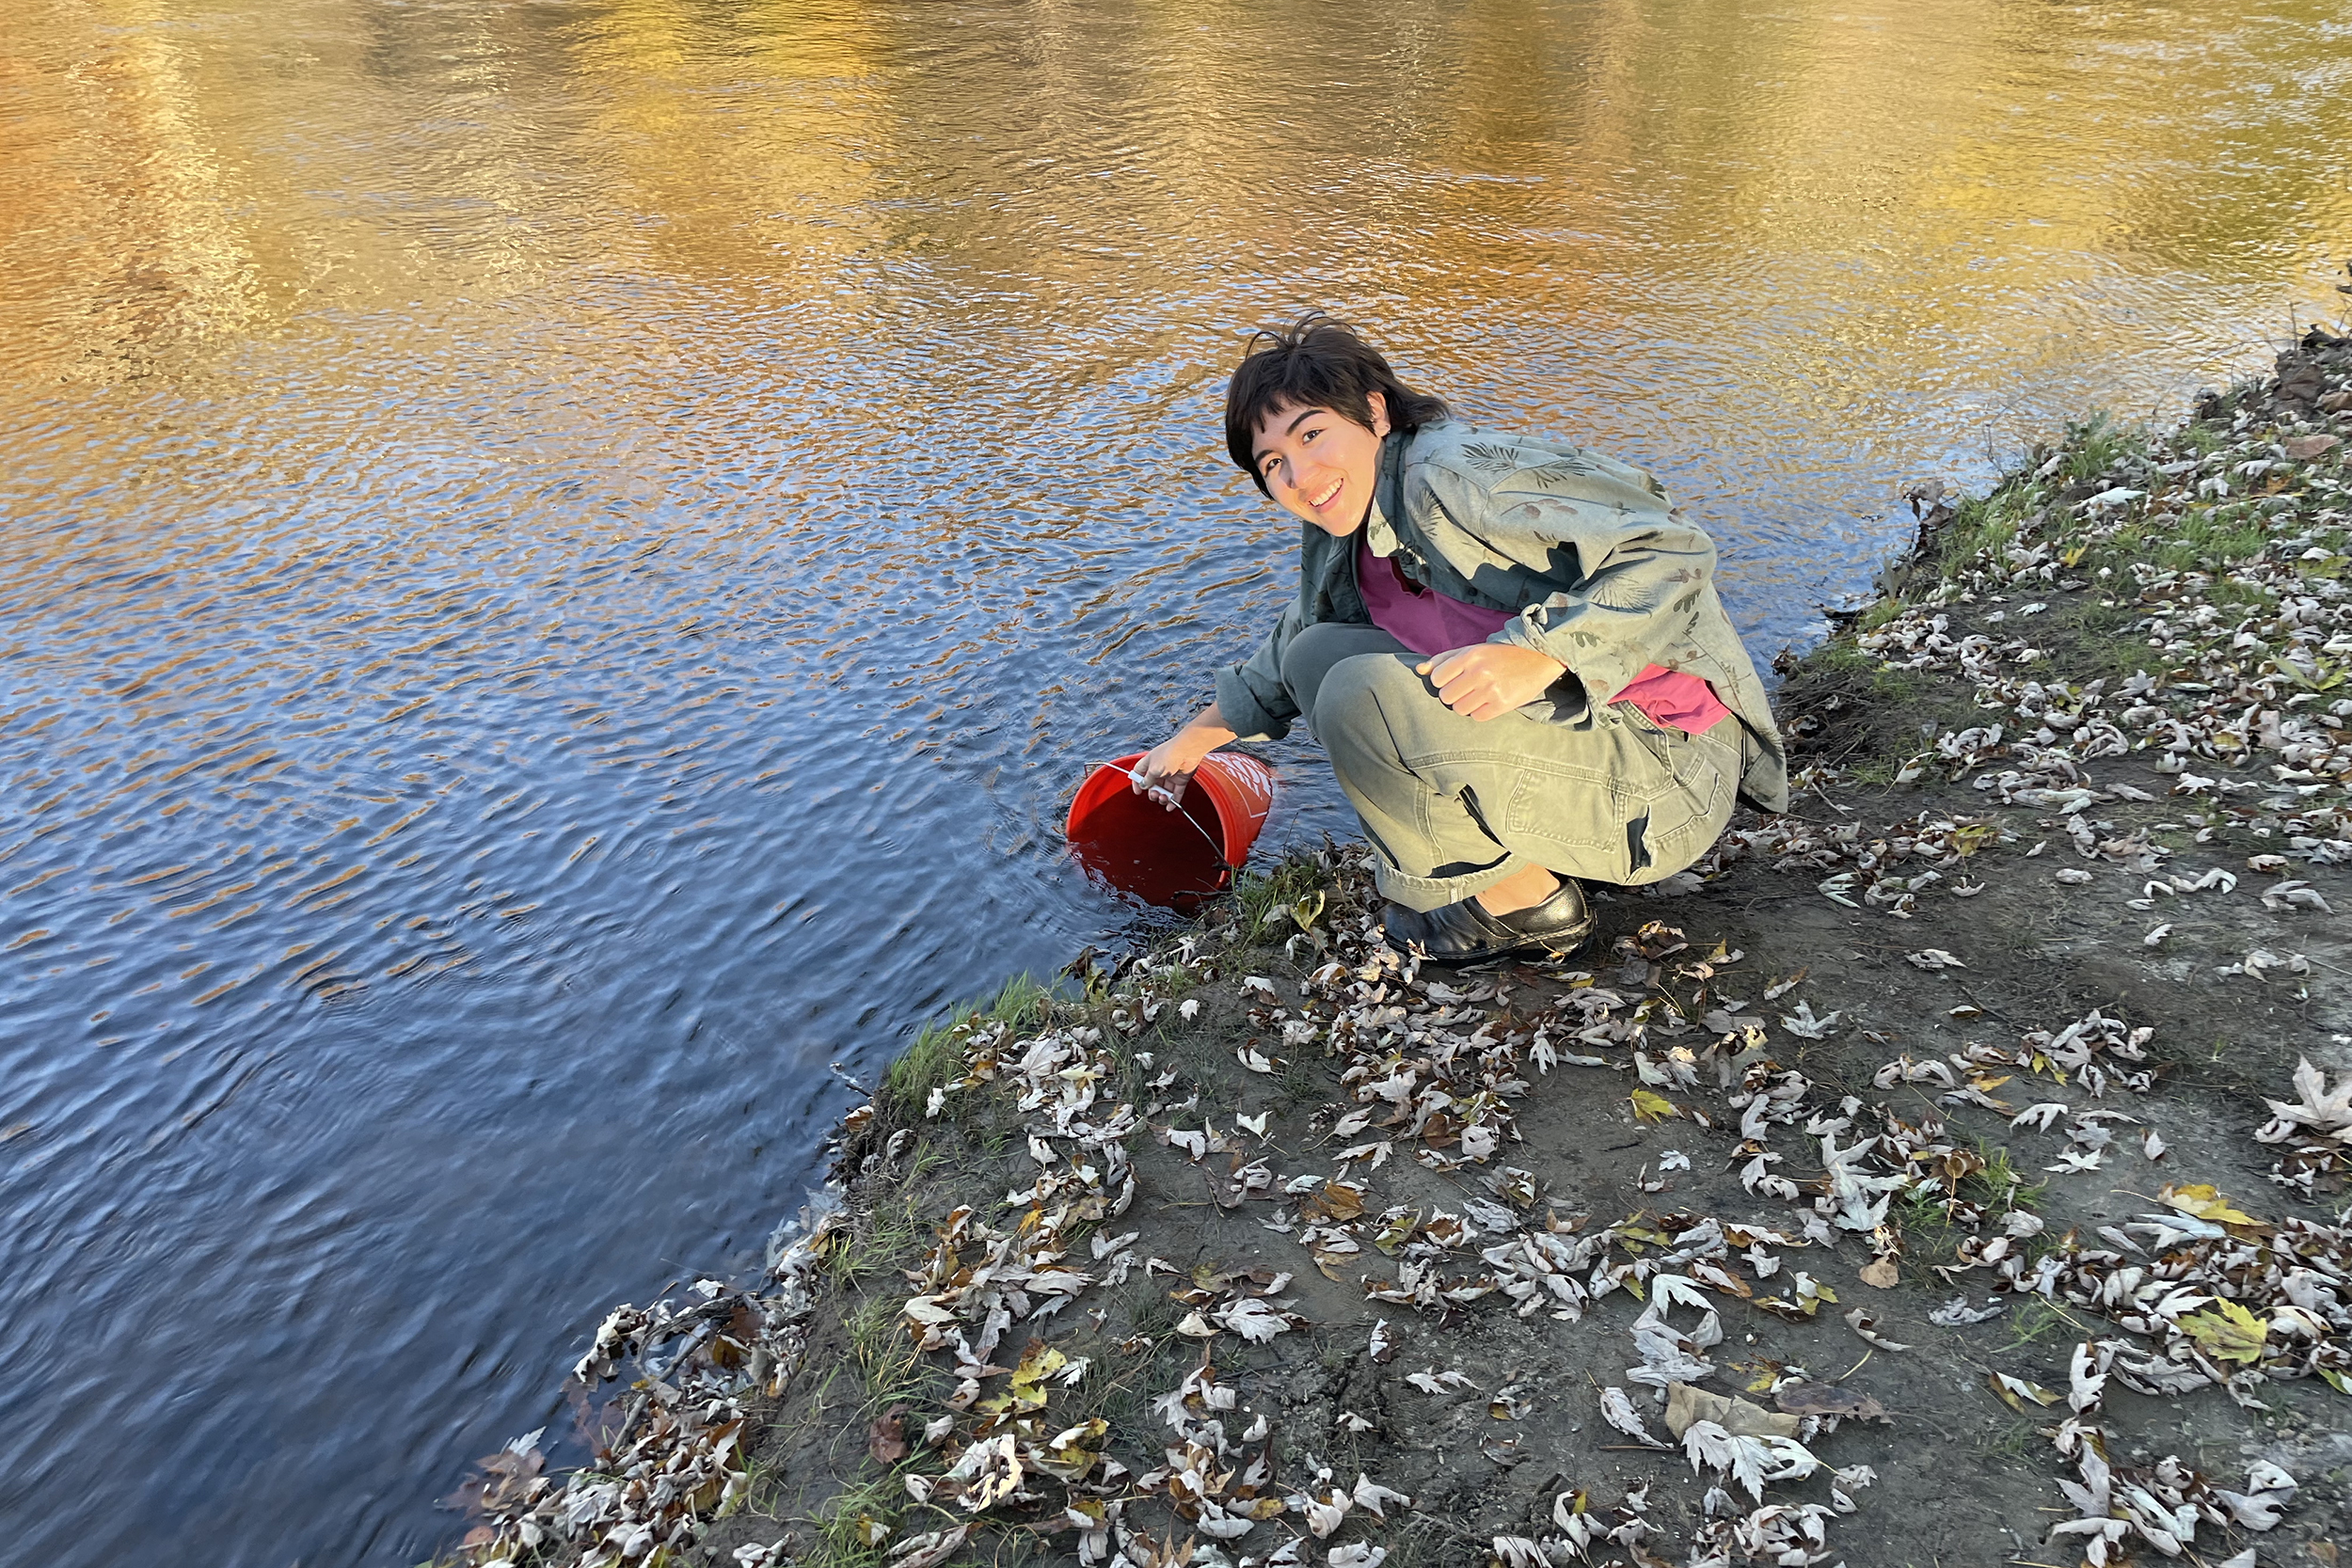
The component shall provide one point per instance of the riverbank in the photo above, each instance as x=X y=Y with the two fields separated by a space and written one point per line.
x=1951 y=1170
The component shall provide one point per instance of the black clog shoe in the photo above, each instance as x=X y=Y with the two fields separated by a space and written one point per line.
x=1464 y=933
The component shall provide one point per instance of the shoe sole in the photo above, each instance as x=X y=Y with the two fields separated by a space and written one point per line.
x=1554 y=947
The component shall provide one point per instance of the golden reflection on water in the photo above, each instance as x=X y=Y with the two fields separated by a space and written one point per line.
x=557 y=563
x=183 y=175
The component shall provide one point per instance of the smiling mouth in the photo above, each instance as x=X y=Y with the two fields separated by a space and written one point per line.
x=1319 y=502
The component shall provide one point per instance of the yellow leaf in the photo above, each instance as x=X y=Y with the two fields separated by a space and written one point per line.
x=2228 y=1331
x=2014 y=1390
x=1025 y=1391
x=2200 y=1201
x=1967 y=840
x=1652 y=1107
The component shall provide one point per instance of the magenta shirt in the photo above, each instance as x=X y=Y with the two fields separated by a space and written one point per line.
x=1429 y=623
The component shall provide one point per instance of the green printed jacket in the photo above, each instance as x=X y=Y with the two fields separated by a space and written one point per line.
x=1588 y=554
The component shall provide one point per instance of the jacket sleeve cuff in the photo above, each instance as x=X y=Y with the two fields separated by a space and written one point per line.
x=1565 y=701
x=1243 y=713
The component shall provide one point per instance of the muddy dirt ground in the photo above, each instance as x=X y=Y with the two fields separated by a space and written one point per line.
x=1962 y=1478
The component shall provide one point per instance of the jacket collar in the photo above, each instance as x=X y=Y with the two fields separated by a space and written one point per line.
x=1388 y=496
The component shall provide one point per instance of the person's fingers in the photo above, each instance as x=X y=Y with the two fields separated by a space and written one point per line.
x=1463 y=688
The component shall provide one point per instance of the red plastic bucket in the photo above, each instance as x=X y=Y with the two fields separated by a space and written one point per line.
x=1171 y=856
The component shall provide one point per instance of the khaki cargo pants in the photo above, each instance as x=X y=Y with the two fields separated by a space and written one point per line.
x=1452 y=805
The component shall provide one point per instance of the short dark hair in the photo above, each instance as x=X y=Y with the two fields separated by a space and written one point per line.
x=1316 y=362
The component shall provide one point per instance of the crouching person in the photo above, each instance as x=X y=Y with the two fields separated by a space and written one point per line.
x=1511 y=649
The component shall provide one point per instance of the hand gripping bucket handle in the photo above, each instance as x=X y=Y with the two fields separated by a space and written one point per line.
x=1142 y=847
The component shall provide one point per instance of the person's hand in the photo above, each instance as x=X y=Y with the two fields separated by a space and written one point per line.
x=1169 y=766
x=1489 y=679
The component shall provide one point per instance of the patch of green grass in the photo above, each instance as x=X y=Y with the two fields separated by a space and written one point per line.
x=763 y=1485
x=1299 y=1082
x=2095 y=445
x=1874 y=772
x=2014 y=1438
x=841 y=1541
x=1923 y=1214
x=1980 y=525
x=890 y=1371
x=889 y=1235
x=2091 y=640
x=2204 y=538
x=1153 y=1314
x=1840 y=659
x=1119 y=1388
x=2000 y=1185
x=2228 y=592
x=2201 y=438
x=2217 y=536
x=1264 y=899
x=936 y=1058
x=2039 y=1318
x=1881 y=611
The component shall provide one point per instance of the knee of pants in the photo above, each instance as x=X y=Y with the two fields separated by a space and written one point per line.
x=1304 y=666
x=1351 y=715
x=1310 y=658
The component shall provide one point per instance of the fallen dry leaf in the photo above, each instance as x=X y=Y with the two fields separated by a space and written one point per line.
x=1830 y=1399
x=1652 y=1107
x=1739 y=1417
x=928 y=1549
x=2202 y=1202
x=1618 y=1411
x=1806 y=1026
x=2014 y=1390
x=1862 y=1323
x=885 y=1439
x=2228 y=1331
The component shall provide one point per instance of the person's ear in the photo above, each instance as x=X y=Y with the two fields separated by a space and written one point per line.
x=1379 y=413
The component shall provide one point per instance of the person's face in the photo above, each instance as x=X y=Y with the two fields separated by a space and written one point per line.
x=1319 y=465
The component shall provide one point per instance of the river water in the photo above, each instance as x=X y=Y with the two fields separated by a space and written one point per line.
x=559 y=560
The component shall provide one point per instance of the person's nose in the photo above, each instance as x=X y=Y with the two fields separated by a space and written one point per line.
x=1309 y=477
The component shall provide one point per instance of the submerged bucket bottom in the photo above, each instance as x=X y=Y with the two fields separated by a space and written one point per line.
x=1143 y=849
